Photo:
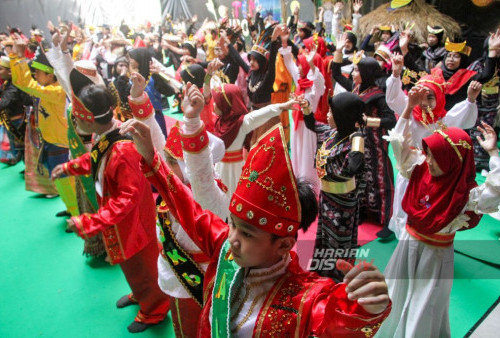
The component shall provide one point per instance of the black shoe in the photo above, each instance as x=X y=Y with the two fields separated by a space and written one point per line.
x=137 y=327
x=125 y=301
x=63 y=214
x=385 y=232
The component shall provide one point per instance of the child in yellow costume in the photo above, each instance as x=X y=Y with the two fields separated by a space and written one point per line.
x=50 y=101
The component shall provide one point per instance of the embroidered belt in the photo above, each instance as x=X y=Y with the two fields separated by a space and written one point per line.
x=233 y=156
x=437 y=239
x=338 y=187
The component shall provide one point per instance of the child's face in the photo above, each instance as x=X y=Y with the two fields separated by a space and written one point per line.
x=429 y=101
x=253 y=247
x=434 y=168
x=43 y=78
x=356 y=75
x=121 y=67
x=432 y=40
x=385 y=36
x=133 y=66
x=254 y=65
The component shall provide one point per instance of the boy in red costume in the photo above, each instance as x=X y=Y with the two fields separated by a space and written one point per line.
x=126 y=216
x=254 y=285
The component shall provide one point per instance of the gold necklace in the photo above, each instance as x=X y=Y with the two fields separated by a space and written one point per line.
x=249 y=312
x=254 y=88
x=323 y=153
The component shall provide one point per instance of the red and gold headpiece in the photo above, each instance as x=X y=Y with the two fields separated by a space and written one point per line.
x=173 y=144
x=267 y=195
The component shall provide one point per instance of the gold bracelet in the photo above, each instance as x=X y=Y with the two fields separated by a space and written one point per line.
x=358 y=144
x=373 y=122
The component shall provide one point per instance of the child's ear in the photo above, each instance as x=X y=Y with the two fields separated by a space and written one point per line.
x=286 y=244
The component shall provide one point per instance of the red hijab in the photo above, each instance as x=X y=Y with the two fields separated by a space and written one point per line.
x=433 y=202
x=436 y=85
x=229 y=100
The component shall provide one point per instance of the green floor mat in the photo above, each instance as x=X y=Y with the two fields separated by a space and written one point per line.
x=476 y=285
x=482 y=242
x=48 y=288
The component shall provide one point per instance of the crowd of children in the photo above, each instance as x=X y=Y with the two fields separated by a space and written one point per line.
x=236 y=182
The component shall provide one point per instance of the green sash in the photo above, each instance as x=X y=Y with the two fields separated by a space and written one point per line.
x=228 y=279
x=77 y=149
x=187 y=271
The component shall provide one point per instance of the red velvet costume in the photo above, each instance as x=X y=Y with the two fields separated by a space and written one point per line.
x=126 y=218
x=300 y=303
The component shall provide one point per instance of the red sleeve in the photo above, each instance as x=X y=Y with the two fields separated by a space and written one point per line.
x=205 y=229
x=79 y=166
x=337 y=316
x=142 y=107
x=126 y=193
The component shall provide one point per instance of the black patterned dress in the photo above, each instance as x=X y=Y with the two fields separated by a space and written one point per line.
x=379 y=196
x=338 y=218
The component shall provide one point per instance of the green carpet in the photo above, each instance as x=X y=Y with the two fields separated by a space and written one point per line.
x=475 y=285
x=48 y=288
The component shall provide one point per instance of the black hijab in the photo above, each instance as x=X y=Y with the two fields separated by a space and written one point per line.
x=370 y=70
x=447 y=73
x=194 y=74
x=347 y=109
x=142 y=56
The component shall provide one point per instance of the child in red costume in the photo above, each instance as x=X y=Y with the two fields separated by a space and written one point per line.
x=126 y=215
x=254 y=284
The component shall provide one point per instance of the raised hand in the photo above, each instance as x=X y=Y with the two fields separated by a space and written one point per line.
x=338 y=7
x=341 y=42
x=213 y=66
x=56 y=38
x=285 y=35
x=374 y=30
x=64 y=40
x=138 y=85
x=416 y=95
x=141 y=134
x=356 y=5
x=397 y=64
x=473 y=91
x=278 y=30
x=310 y=57
x=50 y=26
x=404 y=41
x=20 y=45
x=489 y=140
x=365 y=284
x=193 y=101
x=494 y=44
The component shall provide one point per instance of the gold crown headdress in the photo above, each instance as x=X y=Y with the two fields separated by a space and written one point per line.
x=457 y=47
